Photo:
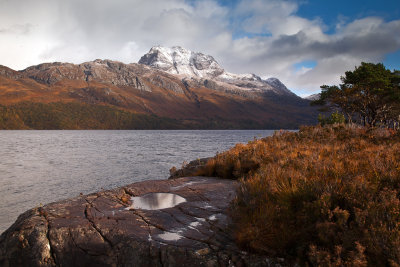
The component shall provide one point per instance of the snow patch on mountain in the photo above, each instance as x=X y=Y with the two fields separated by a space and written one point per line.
x=232 y=76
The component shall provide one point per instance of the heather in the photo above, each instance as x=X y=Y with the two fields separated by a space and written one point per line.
x=321 y=196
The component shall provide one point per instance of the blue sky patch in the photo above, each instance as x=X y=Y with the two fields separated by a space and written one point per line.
x=309 y=64
x=392 y=60
x=243 y=34
x=331 y=12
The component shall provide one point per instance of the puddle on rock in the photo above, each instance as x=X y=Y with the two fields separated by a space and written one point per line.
x=168 y=236
x=156 y=201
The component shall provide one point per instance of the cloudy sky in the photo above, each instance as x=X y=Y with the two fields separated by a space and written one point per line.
x=304 y=43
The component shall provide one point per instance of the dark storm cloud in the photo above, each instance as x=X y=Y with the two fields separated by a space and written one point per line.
x=375 y=43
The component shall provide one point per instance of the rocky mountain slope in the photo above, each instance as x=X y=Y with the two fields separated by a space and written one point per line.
x=173 y=83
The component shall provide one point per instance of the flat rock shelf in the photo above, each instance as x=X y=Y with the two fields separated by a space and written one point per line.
x=107 y=229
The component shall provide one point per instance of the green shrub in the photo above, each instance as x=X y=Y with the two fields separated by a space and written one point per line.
x=334 y=118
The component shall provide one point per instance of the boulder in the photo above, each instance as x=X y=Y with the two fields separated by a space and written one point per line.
x=191 y=169
x=176 y=222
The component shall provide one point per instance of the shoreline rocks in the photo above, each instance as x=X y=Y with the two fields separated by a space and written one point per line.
x=190 y=169
x=103 y=229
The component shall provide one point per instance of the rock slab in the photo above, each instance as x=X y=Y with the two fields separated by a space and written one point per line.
x=103 y=229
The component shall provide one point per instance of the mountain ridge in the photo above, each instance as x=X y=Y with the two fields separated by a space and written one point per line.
x=234 y=101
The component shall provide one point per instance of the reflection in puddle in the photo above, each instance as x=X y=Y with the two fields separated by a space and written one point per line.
x=156 y=201
x=168 y=236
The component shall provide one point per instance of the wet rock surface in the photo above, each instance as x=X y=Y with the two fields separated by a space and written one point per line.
x=103 y=229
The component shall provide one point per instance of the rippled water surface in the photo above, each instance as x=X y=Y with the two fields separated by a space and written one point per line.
x=45 y=166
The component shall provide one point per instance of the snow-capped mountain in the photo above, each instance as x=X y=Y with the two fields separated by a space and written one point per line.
x=198 y=66
x=178 y=60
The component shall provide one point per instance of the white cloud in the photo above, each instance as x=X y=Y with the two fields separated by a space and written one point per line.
x=294 y=39
x=32 y=32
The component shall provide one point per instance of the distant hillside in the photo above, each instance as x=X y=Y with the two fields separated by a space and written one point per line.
x=28 y=115
x=187 y=90
x=75 y=116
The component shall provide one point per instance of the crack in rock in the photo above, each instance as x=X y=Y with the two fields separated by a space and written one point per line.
x=86 y=212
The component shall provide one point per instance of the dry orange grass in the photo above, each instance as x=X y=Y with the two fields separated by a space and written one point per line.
x=323 y=196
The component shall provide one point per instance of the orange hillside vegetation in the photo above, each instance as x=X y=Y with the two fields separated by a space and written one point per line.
x=321 y=196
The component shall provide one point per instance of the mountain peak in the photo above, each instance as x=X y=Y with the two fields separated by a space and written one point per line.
x=276 y=83
x=178 y=60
